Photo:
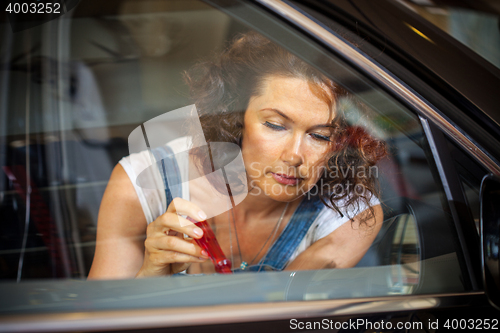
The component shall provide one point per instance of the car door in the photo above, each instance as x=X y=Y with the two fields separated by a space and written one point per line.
x=424 y=263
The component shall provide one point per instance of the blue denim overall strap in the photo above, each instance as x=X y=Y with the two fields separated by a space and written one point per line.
x=281 y=251
x=169 y=170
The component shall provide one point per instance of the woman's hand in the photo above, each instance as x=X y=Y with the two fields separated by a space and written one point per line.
x=166 y=251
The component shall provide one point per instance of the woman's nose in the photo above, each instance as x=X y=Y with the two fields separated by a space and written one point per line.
x=292 y=152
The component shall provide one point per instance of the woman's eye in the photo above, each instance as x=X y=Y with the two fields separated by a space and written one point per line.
x=274 y=126
x=320 y=137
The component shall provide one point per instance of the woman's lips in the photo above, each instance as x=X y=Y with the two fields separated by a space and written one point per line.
x=284 y=179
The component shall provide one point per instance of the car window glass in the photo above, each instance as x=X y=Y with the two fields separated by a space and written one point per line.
x=69 y=106
x=471 y=175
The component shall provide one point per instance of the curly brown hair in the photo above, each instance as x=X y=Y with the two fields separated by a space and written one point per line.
x=221 y=90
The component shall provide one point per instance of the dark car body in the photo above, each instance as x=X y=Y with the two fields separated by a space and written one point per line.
x=435 y=100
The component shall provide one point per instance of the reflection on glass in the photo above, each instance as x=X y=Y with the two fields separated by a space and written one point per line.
x=68 y=123
x=474 y=25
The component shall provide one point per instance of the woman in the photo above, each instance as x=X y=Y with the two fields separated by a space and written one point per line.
x=286 y=118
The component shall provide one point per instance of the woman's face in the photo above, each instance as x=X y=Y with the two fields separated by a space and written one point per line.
x=286 y=136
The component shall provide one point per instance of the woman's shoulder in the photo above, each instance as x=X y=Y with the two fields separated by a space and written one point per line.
x=330 y=219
